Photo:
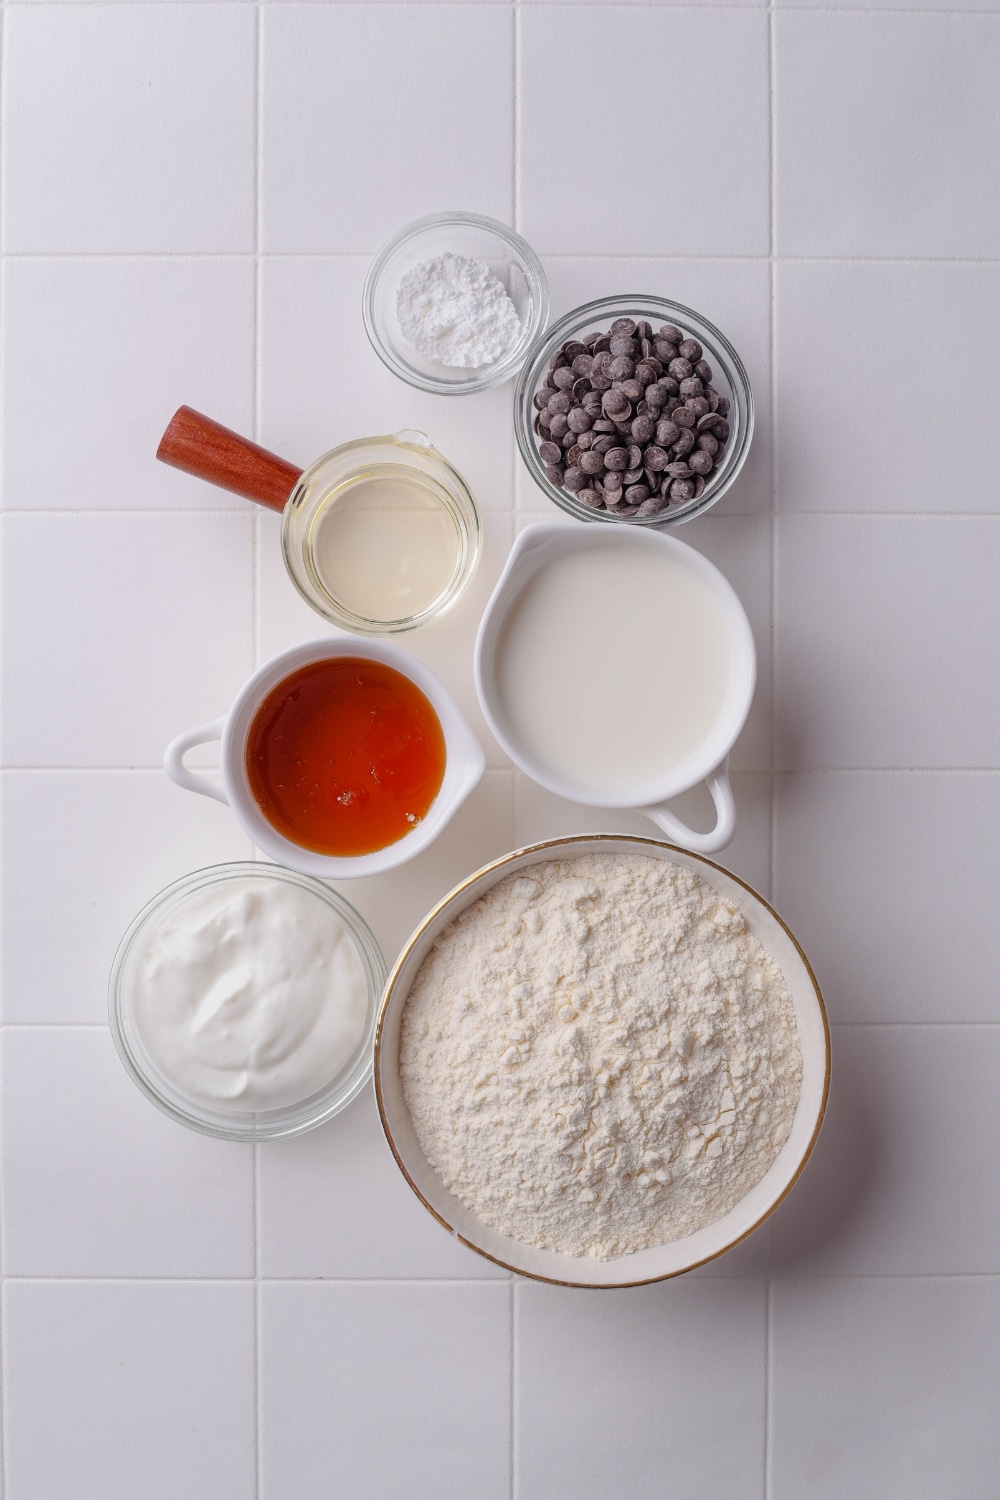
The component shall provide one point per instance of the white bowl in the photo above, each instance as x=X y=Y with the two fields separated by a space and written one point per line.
x=538 y=545
x=661 y=1261
x=464 y=761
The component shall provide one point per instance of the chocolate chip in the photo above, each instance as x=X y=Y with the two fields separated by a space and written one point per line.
x=636 y=494
x=633 y=390
x=593 y=463
x=681 y=489
x=603 y=425
x=633 y=475
x=700 y=462
x=549 y=453
x=614 y=403
x=643 y=428
x=708 y=444
x=634 y=455
x=691 y=387
x=698 y=404
x=612 y=481
x=667 y=432
x=683 y=416
x=680 y=369
x=574 y=479
x=704 y=370
x=699 y=486
x=557 y=361
x=655 y=458
x=560 y=402
x=690 y=349
x=665 y=350
x=563 y=377
x=616 y=458
x=558 y=425
x=675 y=470
x=622 y=344
x=573 y=348
x=722 y=430
x=672 y=332
x=540 y=399
x=588 y=496
x=579 y=420
x=554 y=474
x=621 y=367
x=653 y=506
x=623 y=325
x=684 y=442
x=724 y=406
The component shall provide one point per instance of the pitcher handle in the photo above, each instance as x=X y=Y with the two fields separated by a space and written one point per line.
x=173 y=760
x=725 y=824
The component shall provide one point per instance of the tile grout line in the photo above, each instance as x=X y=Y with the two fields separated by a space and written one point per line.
x=365 y=256
x=4 y=1416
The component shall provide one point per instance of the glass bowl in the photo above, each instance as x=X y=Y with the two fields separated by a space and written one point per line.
x=510 y=259
x=729 y=379
x=222 y=1120
x=382 y=534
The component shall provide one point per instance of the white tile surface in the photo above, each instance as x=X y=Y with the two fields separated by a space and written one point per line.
x=885 y=1388
x=97 y=1182
x=323 y=384
x=648 y=189
x=142 y=629
x=735 y=295
x=70 y=875
x=334 y=1204
x=887 y=133
x=373 y=116
x=97 y=356
x=385 y=1390
x=885 y=880
x=119 y=1389
x=129 y=127
x=446 y=646
x=542 y=815
x=191 y=194
x=880 y=626
x=694 y=1356
x=481 y=830
x=898 y=1183
x=866 y=421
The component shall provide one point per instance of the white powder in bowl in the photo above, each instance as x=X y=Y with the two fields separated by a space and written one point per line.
x=599 y=1057
x=453 y=309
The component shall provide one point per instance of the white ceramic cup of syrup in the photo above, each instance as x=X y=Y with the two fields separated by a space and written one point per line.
x=464 y=761
x=707 y=760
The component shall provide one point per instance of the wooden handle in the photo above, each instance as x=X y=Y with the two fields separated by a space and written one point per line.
x=210 y=451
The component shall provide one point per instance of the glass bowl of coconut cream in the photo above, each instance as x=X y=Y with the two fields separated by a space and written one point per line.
x=243 y=1001
x=453 y=302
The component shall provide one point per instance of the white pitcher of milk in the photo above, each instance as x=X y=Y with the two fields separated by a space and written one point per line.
x=616 y=667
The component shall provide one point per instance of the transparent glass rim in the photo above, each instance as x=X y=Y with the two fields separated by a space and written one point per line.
x=261 y=1125
x=637 y=305
x=465 y=515
x=491 y=375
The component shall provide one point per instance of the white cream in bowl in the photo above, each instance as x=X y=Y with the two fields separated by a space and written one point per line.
x=250 y=993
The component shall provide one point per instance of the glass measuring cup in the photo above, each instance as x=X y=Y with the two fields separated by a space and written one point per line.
x=379 y=536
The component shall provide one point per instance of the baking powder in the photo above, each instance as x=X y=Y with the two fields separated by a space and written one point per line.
x=599 y=1057
x=453 y=309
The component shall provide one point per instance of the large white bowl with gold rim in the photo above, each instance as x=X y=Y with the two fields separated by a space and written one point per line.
x=661 y=1261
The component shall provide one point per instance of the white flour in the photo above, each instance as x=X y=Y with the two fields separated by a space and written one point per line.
x=456 y=311
x=599 y=1057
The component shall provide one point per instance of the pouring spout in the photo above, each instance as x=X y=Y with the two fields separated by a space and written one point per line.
x=209 y=451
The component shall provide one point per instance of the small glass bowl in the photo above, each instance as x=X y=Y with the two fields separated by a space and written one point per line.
x=510 y=259
x=229 y=1123
x=729 y=379
x=410 y=493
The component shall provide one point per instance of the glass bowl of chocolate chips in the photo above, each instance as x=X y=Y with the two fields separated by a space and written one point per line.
x=635 y=409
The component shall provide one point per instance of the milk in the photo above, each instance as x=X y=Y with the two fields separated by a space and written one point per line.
x=614 y=665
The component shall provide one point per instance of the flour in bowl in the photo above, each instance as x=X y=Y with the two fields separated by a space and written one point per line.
x=599 y=1057
x=453 y=309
